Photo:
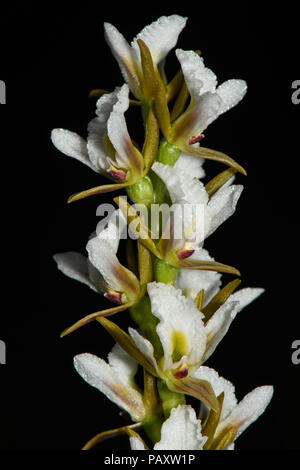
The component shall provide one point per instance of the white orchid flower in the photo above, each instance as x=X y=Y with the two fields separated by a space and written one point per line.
x=169 y=247
x=181 y=431
x=234 y=417
x=160 y=37
x=114 y=378
x=207 y=100
x=101 y=270
x=196 y=216
x=186 y=340
x=109 y=149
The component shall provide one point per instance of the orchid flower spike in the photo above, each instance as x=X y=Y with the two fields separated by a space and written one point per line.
x=114 y=378
x=171 y=285
x=233 y=417
x=159 y=37
x=109 y=149
x=181 y=431
x=102 y=271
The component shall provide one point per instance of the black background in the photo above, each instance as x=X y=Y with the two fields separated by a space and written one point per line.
x=52 y=56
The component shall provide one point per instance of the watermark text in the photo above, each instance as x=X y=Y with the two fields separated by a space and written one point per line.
x=296 y=94
x=177 y=222
x=296 y=354
x=2 y=352
x=2 y=92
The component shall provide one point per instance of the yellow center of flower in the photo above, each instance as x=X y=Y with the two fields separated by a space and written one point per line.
x=178 y=345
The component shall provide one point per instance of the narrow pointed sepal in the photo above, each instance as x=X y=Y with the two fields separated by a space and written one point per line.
x=126 y=343
x=173 y=87
x=149 y=76
x=225 y=439
x=151 y=141
x=199 y=300
x=212 y=422
x=197 y=388
x=103 y=436
x=189 y=263
x=93 y=316
x=209 y=154
x=220 y=298
x=218 y=181
x=106 y=188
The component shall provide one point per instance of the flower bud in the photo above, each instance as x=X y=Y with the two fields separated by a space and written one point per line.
x=141 y=192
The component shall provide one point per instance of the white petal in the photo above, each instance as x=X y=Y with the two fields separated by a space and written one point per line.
x=246 y=295
x=222 y=205
x=117 y=128
x=97 y=130
x=231 y=93
x=96 y=148
x=199 y=79
x=205 y=111
x=123 y=55
x=102 y=376
x=123 y=366
x=144 y=346
x=75 y=266
x=248 y=410
x=218 y=325
x=171 y=179
x=230 y=446
x=190 y=165
x=180 y=185
x=220 y=322
x=189 y=209
x=219 y=385
x=181 y=431
x=71 y=144
x=136 y=444
x=103 y=257
x=161 y=36
x=177 y=314
x=193 y=189
x=96 y=277
x=114 y=230
x=191 y=281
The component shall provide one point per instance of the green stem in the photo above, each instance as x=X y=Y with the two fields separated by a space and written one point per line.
x=168 y=398
x=168 y=155
x=164 y=272
x=152 y=424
